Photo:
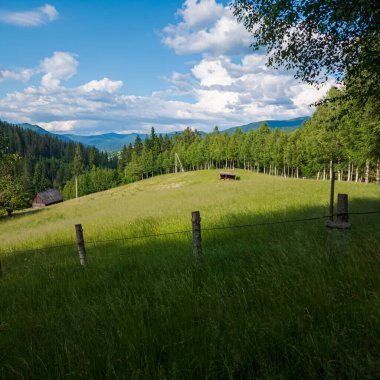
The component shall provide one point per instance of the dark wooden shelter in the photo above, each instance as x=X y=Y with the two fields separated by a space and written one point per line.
x=46 y=198
x=225 y=175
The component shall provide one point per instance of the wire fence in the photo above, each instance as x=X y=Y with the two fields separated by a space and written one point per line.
x=216 y=228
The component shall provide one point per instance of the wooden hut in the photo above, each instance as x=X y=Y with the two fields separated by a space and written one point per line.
x=225 y=175
x=46 y=198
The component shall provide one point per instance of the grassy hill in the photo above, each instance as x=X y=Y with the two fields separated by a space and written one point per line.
x=274 y=301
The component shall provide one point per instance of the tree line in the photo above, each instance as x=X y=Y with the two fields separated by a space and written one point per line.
x=341 y=130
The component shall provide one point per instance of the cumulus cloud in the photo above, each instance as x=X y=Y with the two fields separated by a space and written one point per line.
x=22 y=75
x=59 y=126
x=225 y=93
x=212 y=72
x=61 y=66
x=206 y=27
x=35 y=17
x=104 y=84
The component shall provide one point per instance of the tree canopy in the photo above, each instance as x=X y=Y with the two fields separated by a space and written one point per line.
x=317 y=38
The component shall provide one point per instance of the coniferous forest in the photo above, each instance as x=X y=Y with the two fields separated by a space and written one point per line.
x=342 y=129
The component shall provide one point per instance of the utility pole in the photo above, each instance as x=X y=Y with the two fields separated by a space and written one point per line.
x=177 y=160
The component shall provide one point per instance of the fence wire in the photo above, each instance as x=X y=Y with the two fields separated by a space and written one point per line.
x=137 y=237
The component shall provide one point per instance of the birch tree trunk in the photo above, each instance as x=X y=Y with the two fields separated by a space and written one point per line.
x=349 y=172
x=318 y=174
x=367 y=171
x=357 y=174
x=378 y=171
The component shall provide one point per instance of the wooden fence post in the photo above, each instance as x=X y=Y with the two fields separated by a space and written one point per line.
x=332 y=179
x=197 y=238
x=81 y=247
x=342 y=211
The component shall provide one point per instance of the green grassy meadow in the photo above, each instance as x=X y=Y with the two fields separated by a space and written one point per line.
x=283 y=301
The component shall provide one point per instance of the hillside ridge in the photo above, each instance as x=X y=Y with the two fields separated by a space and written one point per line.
x=113 y=141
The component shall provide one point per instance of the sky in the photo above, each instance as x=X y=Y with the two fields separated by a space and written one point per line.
x=90 y=67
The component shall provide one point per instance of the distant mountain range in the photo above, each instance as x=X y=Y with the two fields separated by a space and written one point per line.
x=41 y=131
x=287 y=125
x=112 y=142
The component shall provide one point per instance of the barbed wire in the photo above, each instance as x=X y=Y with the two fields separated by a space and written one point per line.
x=136 y=237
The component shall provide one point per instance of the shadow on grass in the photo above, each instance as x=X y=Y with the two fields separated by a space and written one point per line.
x=290 y=301
x=19 y=214
x=228 y=241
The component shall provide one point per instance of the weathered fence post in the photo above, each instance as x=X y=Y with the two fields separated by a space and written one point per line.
x=332 y=179
x=342 y=211
x=197 y=238
x=341 y=221
x=81 y=247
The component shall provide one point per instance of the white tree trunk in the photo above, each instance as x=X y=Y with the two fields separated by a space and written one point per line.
x=367 y=171
x=318 y=175
x=378 y=171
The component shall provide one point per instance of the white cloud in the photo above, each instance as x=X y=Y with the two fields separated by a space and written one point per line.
x=199 y=13
x=225 y=94
x=206 y=27
x=104 y=84
x=35 y=17
x=212 y=72
x=22 y=75
x=61 y=66
x=59 y=126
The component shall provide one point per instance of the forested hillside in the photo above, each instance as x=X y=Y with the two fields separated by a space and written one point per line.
x=31 y=162
x=342 y=129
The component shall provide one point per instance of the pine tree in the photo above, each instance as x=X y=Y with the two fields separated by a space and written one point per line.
x=78 y=162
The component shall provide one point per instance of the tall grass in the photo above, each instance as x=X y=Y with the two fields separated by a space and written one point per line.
x=282 y=301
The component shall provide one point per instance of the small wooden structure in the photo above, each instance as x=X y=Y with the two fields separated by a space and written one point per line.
x=46 y=198
x=225 y=175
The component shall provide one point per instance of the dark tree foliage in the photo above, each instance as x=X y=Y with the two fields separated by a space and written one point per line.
x=317 y=38
x=30 y=162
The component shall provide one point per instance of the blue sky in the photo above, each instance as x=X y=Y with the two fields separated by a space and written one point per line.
x=89 y=67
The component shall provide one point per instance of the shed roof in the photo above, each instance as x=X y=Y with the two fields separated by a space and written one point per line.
x=50 y=196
